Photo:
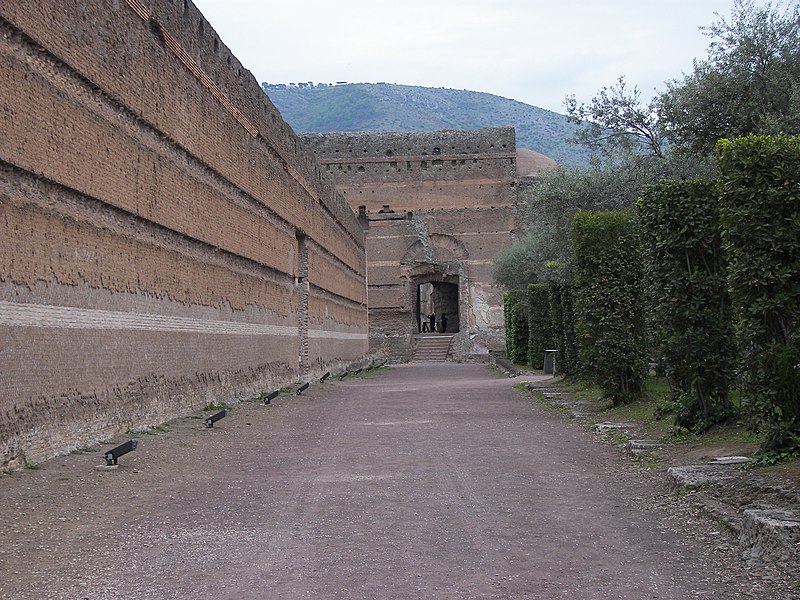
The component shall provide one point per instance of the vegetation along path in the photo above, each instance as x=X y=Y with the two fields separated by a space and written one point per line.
x=432 y=480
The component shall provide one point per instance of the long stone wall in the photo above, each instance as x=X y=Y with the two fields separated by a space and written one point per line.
x=165 y=239
x=437 y=207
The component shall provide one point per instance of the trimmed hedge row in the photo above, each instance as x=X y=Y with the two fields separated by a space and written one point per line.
x=690 y=314
x=540 y=324
x=515 y=304
x=560 y=294
x=609 y=316
x=760 y=215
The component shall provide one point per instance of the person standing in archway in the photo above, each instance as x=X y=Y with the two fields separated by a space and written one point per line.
x=432 y=322
x=443 y=321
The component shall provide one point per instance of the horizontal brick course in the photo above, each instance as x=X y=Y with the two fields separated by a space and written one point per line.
x=153 y=209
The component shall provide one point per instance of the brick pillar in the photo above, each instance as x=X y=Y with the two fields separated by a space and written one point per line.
x=302 y=313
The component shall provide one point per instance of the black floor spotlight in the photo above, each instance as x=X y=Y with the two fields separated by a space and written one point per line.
x=209 y=422
x=271 y=396
x=324 y=377
x=357 y=371
x=302 y=389
x=112 y=456
x=343 y=375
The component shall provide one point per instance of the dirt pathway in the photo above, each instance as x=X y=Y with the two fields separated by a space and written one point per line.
x=430 y=481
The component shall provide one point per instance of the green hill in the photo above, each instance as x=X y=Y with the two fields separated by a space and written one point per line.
x=389 y=107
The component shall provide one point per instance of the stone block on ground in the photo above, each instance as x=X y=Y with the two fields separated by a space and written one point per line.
x=692 y=476
x=772 y=534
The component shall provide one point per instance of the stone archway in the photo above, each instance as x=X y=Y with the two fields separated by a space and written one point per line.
x=434 y=267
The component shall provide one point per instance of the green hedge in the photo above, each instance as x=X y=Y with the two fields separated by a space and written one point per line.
x=516 y=325
x=540 y=324
x=690 y=315
x=609 y=323
x=563 y=316
x=760 y=215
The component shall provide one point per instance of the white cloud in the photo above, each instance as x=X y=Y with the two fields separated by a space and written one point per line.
x=535 y=51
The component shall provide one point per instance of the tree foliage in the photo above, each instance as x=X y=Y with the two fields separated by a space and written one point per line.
x=609 y=320
x=690 y=314
x=750 y=82
x=617 y=119
x=547 y=208
x=760 y=214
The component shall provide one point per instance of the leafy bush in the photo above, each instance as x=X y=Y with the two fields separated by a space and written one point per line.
x=563 y=316
x=540 y=324
x=516 y=322
x=609 y=323
x=760 y=215
x=690 y=315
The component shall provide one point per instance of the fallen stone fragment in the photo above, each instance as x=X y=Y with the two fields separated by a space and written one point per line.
x=606 y=427
x=692 y=476
x=771 y=534
x=730 y=460
x=638 y=446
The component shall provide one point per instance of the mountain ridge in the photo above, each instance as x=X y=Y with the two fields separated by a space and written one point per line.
x=348 y=107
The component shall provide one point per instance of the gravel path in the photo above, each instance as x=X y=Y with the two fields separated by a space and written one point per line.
x=433 y=480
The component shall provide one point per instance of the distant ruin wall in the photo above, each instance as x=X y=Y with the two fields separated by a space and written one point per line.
x=451 y=202
x=165 y=240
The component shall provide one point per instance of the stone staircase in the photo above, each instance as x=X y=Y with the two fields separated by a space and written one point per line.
x=432 y=347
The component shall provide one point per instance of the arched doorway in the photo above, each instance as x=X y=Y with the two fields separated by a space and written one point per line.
x=440 y=299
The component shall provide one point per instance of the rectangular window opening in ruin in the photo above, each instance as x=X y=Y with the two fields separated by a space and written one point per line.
x=437 y=307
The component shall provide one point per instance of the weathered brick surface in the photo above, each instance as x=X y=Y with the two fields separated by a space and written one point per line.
x=153 y=210
x=452 y=194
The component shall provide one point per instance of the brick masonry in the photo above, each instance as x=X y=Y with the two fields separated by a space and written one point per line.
x=451 y=209
x=165 y=238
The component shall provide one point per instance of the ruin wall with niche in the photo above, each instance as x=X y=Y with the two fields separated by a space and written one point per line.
x=165 y=239
x=452 y=200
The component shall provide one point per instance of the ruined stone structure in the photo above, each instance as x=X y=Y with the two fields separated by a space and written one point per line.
x=165 y=240
x=437 y=207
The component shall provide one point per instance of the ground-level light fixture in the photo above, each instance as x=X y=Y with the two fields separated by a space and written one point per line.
x=209 y=422
x=112 y=456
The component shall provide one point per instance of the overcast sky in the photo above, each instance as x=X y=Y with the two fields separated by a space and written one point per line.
x=534 y=51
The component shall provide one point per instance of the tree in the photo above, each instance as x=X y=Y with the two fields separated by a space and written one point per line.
x=617 y=120
x=750 y=82
x=547 y=208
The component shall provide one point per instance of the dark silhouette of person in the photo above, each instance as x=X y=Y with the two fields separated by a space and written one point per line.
x=432 y=322
x=443 y=321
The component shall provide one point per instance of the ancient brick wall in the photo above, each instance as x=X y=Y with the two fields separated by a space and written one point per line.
x=451 y=209
x=165 y=239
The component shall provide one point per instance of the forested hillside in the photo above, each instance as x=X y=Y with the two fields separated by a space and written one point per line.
x=388 y=107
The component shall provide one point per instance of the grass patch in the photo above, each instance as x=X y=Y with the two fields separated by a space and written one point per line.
x=617 y=438
x=583 y=390
x=375 y=372
x=83 y=450
x=646 y=460
x=33 y=467
x=154 y=430
x=215 y=406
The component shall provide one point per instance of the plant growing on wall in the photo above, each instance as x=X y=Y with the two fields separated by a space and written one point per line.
x=689 y=307
x=760 y=215
x=609 y=322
